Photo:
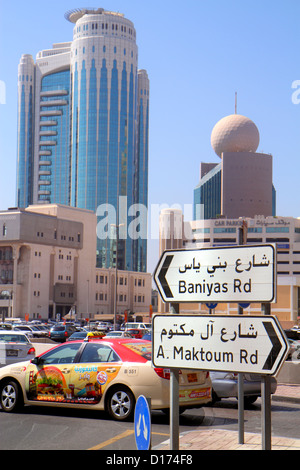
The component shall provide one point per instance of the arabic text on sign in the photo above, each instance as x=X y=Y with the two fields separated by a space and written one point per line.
x=240 y=266
x=225 y=336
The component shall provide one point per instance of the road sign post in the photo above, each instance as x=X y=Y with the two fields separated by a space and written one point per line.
x=174 y=409
x=266 y=415
x=240 y=274
x=235 y=343
x=142 y=423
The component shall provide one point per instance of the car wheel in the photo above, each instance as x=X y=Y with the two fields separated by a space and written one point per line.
x=248 y=401
x=120 y=403
x=10 y=397
x=214 y=397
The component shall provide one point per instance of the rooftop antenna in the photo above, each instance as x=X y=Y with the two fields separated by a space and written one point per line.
x=235 y=106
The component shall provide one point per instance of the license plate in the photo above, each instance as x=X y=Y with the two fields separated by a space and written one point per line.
x=12 y=352
x=192 y=378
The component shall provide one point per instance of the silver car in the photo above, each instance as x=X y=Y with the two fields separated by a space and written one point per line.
x=14 y=347
x=225 y=385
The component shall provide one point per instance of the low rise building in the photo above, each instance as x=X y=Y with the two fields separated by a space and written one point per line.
x=48 y=267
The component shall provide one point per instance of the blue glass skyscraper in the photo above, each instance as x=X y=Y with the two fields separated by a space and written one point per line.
x=83 y=140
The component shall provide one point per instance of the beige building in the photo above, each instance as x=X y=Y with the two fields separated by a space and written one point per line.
x=47 y=267
x=175 y=233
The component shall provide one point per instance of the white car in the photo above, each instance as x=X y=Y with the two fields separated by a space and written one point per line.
x=104 y=326
x=131 y=325
x=30 y=331
x=14 y=347
x=118 y=334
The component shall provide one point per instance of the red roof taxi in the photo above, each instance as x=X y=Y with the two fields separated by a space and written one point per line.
x=102 y=374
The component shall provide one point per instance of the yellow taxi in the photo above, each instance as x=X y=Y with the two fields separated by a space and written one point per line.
x=98 y=373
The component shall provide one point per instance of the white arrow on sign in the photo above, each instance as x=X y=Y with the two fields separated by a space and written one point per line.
x=228 y=274
x=249 y=344
x=138 y=427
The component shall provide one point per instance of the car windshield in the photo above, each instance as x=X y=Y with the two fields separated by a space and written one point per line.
x=61 y=355
x=58 y=328
x=13 y=338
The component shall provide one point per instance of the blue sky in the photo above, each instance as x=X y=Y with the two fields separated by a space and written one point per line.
x=197 y=55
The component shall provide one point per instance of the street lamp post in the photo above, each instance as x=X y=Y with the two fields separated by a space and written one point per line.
x=88 y=299
x=117 y=226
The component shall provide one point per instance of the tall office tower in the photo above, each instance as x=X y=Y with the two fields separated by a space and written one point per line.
x=89 y=126
x=26 y=92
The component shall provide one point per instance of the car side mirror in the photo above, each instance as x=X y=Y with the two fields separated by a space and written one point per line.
x=37 y=361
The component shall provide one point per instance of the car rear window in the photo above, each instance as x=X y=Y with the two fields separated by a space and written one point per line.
x=58 y=328
x=13 y=338
x=142 y=349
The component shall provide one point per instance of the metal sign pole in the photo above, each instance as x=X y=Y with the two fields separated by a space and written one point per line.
x=174 y=397
x=266 y=400
x=266 y=413
x=241 y=418
x=241 y=406
x=174 y=409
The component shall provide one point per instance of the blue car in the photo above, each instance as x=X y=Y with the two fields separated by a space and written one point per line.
x=147 y=337
x=61 y=332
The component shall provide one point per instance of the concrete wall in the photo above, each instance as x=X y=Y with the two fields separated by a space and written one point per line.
x=289 y=373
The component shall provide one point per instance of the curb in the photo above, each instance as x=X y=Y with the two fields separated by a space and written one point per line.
x=286 y=399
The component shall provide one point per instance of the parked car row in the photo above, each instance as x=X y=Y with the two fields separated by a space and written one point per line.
x=32 y=331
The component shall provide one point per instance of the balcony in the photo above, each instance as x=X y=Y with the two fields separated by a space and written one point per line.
x=47 y=142
x=44 y=104
x=48 y=133
x=43 y=192
x=51 y=112
x=48 y=123
x=54 y=93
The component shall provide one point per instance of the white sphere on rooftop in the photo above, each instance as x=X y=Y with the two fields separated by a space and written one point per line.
x=234 y=133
